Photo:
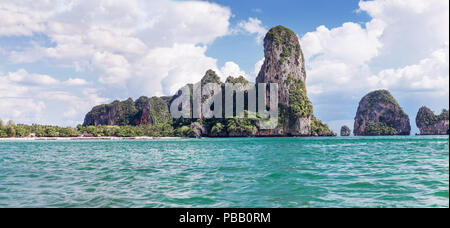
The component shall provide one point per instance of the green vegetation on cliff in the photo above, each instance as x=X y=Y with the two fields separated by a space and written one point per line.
x=210 y=77
x=275 y=34
x=241 y=126
x=427 y=117
x=159 y=111
x=238 y=80
x=379 y=128
x=320 y=128
x=144 y=111
x=444 y=115
x=381 y=96
x=299 y=103
x=379 y=113
x=287 y=39
x=431 y=124
x=218 y=129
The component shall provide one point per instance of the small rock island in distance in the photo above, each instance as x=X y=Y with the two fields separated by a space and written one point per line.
x=345 y=131
x=380 y=114
x=431 y=124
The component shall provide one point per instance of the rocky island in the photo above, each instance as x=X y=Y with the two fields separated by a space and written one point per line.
x=431 y=124
x=345 y=131
x=284 y=64
x=143 y=111
x=380 y=114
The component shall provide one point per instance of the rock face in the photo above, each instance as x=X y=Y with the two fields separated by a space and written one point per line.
x=345 y=131
x=431 y=124
x=145 y=111
x=283 y=59
x=284 y=64
x=198 y=130
x=380 y=114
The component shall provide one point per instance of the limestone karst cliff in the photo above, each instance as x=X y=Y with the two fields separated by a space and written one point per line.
x=284 y=64
x=143 y=111
x=380 y=114
x=431 y=124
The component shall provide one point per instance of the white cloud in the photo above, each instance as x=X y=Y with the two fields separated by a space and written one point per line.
x=430 y=74
x=22 y=77
x=30 y=98
x=258 y=66
x=130 y=47
x=403 y=48
x=349 y=43
x=256 y=69
x=164 y=70
x=347 y=57
x=17 y=19
x=113 y=38
x=231 y=69
x=253 y=26
x=22 y=109
x=414 y=28
x=114 y=69
x=75 y=82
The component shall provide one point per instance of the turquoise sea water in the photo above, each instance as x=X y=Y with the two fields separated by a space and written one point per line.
x=233 y=172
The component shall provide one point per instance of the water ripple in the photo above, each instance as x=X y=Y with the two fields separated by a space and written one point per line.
x=262 y=172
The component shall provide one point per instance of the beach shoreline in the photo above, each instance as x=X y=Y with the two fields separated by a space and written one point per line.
x=82 y=138
x=112 y=138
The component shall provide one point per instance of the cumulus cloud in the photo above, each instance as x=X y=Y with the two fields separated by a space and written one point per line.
x=253 y=26
x=430 y=74
x=403 y=48
x=22 y=77
x=30 y=98
x=129 y=48
x=20 y=19
x=349 y=43
x=75 y=82
x=173 y=67
x=113 y=38
x=353 y=51
x=26 y=109
x=232 y=69
x=413 y=28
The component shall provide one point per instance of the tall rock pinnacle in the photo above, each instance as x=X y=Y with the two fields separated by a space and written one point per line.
x=284 y=64
x=283 y=60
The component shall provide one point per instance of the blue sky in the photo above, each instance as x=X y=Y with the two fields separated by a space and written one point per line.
x=300 y=16
x=60 y=58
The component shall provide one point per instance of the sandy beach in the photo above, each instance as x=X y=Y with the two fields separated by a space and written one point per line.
x=82 y=138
